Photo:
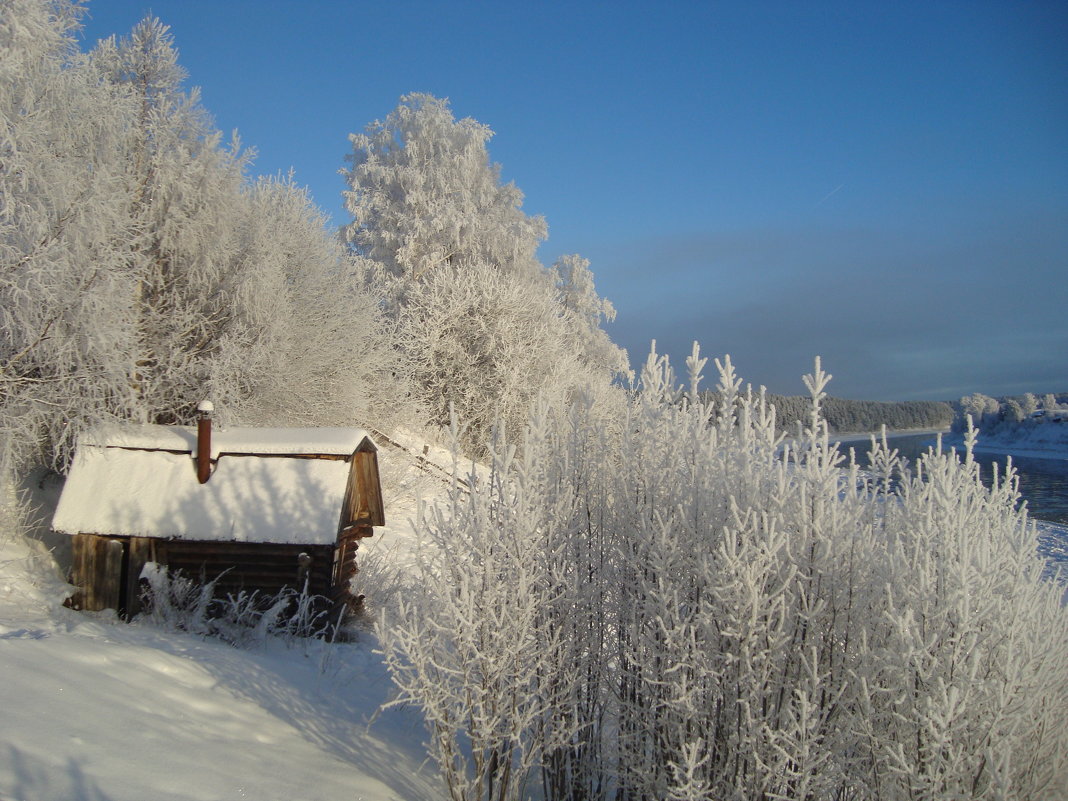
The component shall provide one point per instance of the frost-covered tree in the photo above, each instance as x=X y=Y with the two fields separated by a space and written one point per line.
x=587 y=311
x=139 y=270
x=1014 y=411
x=982 y=409
x=424 y=195
x=485 y=345
x=241 y=293
x=483 y=326
x=184 y=201
x=314 y=347
x=64 y=281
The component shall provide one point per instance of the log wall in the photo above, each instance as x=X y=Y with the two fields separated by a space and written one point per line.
x=107 y=570
x=96 y=570
x=249 y=566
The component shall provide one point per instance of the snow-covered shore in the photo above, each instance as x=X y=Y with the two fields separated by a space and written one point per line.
x=850 y=437
x=1039 y=442
x=1049 y=441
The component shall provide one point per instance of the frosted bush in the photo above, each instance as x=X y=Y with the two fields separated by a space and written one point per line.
x=679 y=604
x=174 y=601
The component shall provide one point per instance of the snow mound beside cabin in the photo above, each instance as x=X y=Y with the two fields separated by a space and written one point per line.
x=95 y=709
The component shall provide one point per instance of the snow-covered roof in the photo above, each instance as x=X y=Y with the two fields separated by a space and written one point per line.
x=262 y=441
x=141 y=481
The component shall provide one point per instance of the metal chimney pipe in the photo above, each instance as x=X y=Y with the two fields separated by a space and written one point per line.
x=204 y=411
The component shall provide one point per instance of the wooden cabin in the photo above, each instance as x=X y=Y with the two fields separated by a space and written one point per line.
x=264 y=508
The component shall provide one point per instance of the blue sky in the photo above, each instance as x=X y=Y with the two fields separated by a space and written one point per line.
x=882 y=184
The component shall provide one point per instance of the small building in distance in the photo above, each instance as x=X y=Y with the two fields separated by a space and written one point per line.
x=258 y=508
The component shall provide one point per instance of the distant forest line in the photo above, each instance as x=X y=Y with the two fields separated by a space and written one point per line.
x=844 y=415
x=858 y=416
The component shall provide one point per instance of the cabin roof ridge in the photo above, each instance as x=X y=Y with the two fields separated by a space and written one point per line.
x=234 y=440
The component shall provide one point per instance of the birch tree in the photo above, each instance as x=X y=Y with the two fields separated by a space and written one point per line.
x=184 y=200
x=482 y=324
x=424 y=195
x=588 y=311
x=141 y=271
x=486 y=345
x=312 y=345
x=64 y=285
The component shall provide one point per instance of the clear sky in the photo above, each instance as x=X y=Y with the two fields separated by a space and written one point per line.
x=884 y=184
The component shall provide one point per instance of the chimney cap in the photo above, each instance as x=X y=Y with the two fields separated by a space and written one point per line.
x=206 y=407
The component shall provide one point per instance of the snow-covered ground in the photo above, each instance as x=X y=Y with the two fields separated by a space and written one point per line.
x=93 y=709
x=1046 y=441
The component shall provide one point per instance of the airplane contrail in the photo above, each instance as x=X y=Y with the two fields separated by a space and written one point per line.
x=833 y=191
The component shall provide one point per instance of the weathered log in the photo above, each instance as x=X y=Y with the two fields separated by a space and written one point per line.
x=96 y=570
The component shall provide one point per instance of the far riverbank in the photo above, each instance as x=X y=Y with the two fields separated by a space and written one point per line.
x=1049 y=443
x=1043 y=480
x=846 y=437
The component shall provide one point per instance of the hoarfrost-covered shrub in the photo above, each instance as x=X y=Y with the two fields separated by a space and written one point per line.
x=487 y=344
x=174 y=601
x=681 y=604
x=473 y=650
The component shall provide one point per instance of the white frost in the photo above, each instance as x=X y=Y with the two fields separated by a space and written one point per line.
x=145 y=484
x=322 y=441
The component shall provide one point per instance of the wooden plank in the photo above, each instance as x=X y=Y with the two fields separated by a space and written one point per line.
x=372 y=509
x=96 y=569
x=241 y=551
x=81 y=551
x=345 y=564
x=109 y=581
x=321 y=457
x=140 y=551
x=276 y=580
x=262 y=567
x=363 y=493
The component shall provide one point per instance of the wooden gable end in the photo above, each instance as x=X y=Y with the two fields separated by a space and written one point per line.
x=361 y=509
x=363 y=505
